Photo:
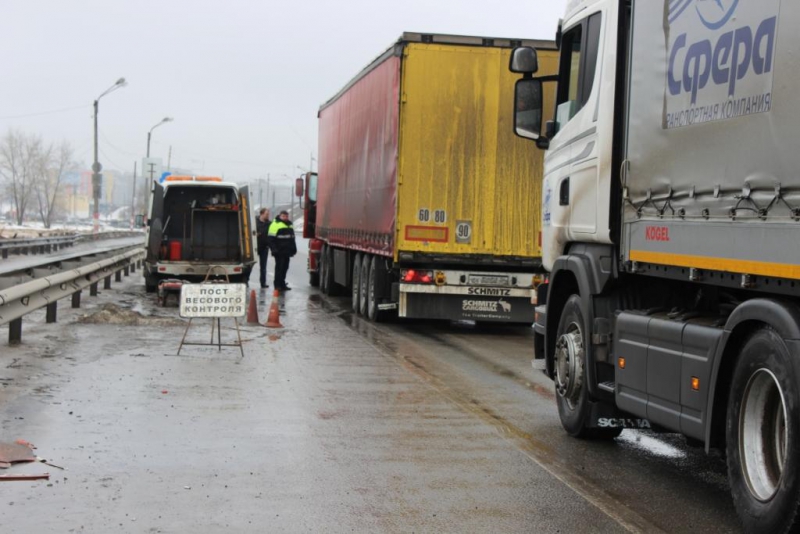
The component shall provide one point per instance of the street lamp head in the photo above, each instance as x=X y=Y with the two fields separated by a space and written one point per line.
x=121 y=82
x=167 y=119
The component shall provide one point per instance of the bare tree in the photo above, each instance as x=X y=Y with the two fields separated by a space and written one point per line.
x=50 y=165
x=16 y=157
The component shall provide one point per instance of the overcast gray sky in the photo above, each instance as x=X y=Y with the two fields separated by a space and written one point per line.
x=243 y=78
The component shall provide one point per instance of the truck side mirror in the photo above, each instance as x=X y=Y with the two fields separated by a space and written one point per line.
x=528 y=108
x=139 y=221
x=299 y=187
x=524 y=60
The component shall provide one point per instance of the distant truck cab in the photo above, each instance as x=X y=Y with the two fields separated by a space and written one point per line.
x=194 y=223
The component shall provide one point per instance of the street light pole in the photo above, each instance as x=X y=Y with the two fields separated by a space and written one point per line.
x=97 y=178
x=150 y=133
x=149 y=136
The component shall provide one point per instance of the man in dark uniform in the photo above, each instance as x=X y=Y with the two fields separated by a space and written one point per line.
x=262 y=228
x=281 y=242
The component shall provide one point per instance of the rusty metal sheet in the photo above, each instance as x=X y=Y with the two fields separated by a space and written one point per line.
x=14 y=452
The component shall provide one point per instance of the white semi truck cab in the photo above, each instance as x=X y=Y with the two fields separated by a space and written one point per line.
x=671 y=223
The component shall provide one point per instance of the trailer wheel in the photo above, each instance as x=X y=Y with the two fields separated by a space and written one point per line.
x=375 y=288
x=763 y=435
x=364 y=284
x=313 y=279
x=570 y=376
x=356 y=281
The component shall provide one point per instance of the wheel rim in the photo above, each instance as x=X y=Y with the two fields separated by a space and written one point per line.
x=763 y=435
x=569 y=368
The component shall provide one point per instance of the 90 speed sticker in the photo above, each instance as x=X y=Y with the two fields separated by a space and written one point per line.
x=464 y=232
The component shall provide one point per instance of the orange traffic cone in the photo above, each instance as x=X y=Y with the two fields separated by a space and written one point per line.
x=274 y=320
x=252 y=310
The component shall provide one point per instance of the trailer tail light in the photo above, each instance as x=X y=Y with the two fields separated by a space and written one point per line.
x=695 y=383
x=237 y=269
x=621 y=363
x=162 y=269
x=413 y=276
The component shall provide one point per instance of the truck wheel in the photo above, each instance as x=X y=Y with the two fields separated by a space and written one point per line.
x=331 y=288
x=150 y=283
x=763 y=435
x=354 y=293
x=323 y=269
x=570 y=376
x=363 y=285
x=375 y=288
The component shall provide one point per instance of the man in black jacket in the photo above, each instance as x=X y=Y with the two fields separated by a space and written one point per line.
x=281 y=242
x=262 y=228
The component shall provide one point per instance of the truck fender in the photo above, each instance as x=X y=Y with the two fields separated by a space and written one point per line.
x=783 y=316
x=591 y=267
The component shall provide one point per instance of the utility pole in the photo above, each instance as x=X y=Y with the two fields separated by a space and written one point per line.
x=97 y=178
x=151 y=171
x=169 y=158
x=273 y=196
x=133 y=197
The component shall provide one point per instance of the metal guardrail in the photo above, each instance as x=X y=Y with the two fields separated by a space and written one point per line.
x=40 y=245
x=45 y=292
x=45 y=245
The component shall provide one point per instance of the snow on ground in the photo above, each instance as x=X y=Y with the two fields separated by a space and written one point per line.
x=37 y=229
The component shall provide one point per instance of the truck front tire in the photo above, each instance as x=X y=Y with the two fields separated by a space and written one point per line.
x=323 y=269
x=570 y=376
x=762 y=433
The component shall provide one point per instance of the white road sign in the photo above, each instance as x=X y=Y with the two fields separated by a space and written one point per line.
x=213 y=300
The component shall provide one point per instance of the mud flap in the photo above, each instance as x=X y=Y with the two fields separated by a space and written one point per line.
x=602 y=415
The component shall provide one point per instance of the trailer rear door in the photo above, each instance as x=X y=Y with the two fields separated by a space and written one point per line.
x=468 y=185
x=246 y=225
x=155 y=223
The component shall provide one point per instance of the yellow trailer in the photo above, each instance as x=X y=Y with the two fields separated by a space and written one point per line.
x=427 y=202
x=466 y=184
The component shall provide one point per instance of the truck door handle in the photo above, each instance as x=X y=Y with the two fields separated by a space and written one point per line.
x=563 y=192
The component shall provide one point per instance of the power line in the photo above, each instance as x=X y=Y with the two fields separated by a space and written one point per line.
x=51 y=112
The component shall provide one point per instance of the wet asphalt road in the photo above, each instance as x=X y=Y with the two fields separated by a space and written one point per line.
x=331 y=424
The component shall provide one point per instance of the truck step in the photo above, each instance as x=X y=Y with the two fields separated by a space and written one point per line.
x=607 y=386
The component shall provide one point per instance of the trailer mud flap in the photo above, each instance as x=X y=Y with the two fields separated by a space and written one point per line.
x=466 y=307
